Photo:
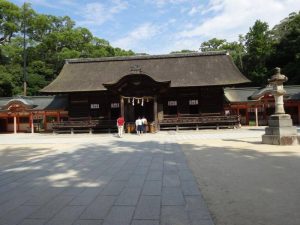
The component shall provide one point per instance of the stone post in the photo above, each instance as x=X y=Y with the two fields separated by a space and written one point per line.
x=280 y=130
x=278 y=91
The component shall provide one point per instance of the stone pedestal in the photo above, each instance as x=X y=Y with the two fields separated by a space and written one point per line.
x=280 y=131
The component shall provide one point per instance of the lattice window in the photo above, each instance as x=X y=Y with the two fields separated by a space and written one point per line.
x=95 y=106
x=172 y=103
x=193 y=102
x=115 y=105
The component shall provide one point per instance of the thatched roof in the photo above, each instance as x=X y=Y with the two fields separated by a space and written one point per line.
x=183 y=70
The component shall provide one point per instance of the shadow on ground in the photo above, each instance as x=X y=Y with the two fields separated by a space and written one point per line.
x=246 y=183
x=79 y=183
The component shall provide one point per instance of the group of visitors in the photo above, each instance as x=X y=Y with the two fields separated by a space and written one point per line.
x=140 y=125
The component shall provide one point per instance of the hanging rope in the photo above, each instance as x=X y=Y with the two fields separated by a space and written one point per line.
x=139 y=100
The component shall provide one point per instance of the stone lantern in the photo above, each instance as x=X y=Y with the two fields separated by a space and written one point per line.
x=280 y=130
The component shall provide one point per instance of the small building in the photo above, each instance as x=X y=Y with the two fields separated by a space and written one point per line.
x=256 y=111
x=32 y=114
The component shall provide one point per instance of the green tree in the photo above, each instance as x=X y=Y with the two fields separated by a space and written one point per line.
x=213 y=44
x=286 y=26
x=182 y=51
x=235 y=49
x=259 y=47
x=6 y=84
x=287 y=48
x=9 y=21
x=11 y=53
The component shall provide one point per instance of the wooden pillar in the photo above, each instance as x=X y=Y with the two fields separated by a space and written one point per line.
x=256 y=116
x=265 y=113
x=247 y=115
x=15 y=124
x=239 y=116
x=155 y=111
x=122 y=106
x=18 y=122
x=6 y=123
x=45 y=122
x=58 y=117
x=31 y=123
x=298 y=113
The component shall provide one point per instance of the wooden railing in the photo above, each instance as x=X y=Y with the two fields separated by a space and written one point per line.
x=72 y=126
x=182 y=121
x=75 y=124
x=81 y=125
x=193 y=121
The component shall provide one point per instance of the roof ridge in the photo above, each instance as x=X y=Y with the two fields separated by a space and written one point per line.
x=244 y=88
x=141 y=57
x=240 y=88
x=22 y=97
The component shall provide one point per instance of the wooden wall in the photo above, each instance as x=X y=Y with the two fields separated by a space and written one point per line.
x=210 y=100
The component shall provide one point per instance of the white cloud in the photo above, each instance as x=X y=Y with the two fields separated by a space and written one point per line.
x=134 y=38
x=214 y=6
x=161 y=3
x=230 y=17
x=176 y=44
x=97 y=13
x=68 y=2
x=118 y=6
x=195 y=9
x=43 y=3
x=51 y=4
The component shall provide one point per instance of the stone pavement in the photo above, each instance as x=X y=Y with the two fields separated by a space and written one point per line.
x=99 y=180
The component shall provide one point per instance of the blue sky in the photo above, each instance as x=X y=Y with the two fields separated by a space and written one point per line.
x=162 y=26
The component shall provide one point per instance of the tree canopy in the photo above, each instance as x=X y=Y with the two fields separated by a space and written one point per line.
x=262 y=49
x=50 y=40
x=9 y=20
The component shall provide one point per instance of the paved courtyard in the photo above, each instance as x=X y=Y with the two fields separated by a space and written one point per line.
x=245 y=182
x=97 y=179
x=87 y=179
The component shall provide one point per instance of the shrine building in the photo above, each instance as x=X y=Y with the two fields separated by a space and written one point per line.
x=169 y=90
x=175 y=91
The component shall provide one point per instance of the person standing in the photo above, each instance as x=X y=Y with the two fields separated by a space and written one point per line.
x=120 y=125
x=138 y=126
x=144 y=122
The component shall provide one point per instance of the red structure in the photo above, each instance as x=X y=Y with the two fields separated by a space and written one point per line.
x=32 y=114
x=238 y=101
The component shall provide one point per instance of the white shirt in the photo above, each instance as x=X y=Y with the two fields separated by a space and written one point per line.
x=138 y=122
